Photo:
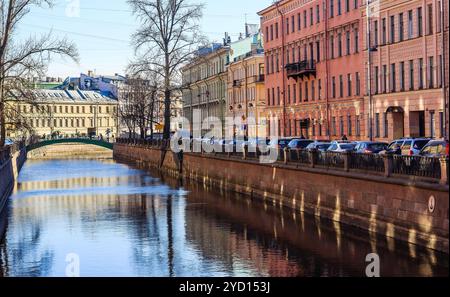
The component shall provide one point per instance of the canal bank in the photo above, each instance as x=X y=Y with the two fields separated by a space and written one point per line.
x=11 y=163
x=410 y=211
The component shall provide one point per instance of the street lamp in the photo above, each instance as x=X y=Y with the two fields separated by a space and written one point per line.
x=370 y=49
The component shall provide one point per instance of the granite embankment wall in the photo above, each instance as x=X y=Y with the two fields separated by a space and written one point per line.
x=9 y=170
x=402 y=209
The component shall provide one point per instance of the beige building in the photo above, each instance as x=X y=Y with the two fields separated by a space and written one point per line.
x=205 y=85
x=64 y=113
x=246 y=93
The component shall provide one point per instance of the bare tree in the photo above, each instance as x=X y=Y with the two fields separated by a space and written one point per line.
x=168 y=36
x=137 y=107
x=20 y=60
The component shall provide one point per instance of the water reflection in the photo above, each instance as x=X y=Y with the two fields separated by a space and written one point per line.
x=124 y=222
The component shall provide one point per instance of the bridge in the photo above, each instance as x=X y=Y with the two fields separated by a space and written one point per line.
x=100 y=143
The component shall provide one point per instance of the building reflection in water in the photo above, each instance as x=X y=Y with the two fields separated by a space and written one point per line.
x=124 y=222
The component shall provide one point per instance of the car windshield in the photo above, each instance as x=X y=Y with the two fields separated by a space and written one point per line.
x=377 y=146
x=419 y=144
x=323 y=146
x=347 y=146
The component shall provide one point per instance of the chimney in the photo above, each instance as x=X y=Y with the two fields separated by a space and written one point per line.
x=90 y=73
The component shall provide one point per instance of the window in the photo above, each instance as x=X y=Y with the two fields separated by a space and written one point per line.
x=383 y=31
x=392 y=40
x=375 y=24
x=332 y=46
x=432 y=124
x=278 y=96
x=400 y=26
x=441 y=124
x=318 y=51
x=339 y=45
x=331 y=8
x=273 y=96
x=276 y=30
x=347 y=42
x=299 y=21
x=267 y=34
x=333 y=126
x=431 y=72
x=441 y=71
x=333 y=87
x=300 y=94
x=358 y=84
x=268 y=97
x=347 y=5
x=410 y=24
x=439 y=20
x=349 y=85
x=419 y=22
x=393 y=78
x=349 y=125
x=319 y=89
x=358 y=125
x=356 y=41
x=305 y=19
x=311 y=16
x=402 y=76
x=287 y=26
x=411 y=75
x=430 y=19
x=294 y=92
x=289 y=94
x=313 y=91
x=293 y=24
x=377 y=86
x=341 y=86
x=317 y=14
x=339 y=7
x=377 y=125
x=386 y=125
x=421 y=73
x=306 y=92
x=341 y=125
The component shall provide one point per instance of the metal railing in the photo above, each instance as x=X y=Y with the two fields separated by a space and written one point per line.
x=417 y=166
x=426 y=168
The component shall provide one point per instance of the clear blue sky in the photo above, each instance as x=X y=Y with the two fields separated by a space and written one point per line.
x=103 y=28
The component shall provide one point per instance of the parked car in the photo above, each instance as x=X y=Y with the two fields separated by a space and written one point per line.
x=407 y=146
x=299 y=143
x=341 y=146
x=281 y=143
x=370 y=147
x=436 y=148
x=319 y=146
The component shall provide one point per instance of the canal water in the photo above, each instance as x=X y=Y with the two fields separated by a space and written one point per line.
x=115 y=220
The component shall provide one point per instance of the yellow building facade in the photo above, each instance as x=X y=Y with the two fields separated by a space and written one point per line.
x=62 y=113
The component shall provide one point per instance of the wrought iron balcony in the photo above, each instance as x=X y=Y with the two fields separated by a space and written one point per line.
x=260 y=78
x=236 y=83
x=301 y=69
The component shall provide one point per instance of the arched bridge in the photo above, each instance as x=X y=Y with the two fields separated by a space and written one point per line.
x=101 y=143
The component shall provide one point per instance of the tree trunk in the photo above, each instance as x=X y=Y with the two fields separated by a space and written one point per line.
x=167 y=94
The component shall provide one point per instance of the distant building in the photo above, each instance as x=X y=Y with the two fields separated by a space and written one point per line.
x=205 y=85
x=246 y=92
x=68 y=113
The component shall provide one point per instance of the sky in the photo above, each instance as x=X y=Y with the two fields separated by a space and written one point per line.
x=101 y=29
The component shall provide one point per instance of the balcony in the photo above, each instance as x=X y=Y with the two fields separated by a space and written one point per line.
x=236 y=83
x=260 y=78
x=301 y=69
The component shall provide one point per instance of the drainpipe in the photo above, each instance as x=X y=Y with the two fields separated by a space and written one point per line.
x=283 y=70
x=444 y=71
x=369 y=72
x=327 y=76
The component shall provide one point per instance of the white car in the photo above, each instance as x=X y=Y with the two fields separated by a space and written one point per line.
x=342 y=146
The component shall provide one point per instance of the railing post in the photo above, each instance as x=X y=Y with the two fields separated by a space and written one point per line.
x=286 y=155
x=444 y=171
x=312 y=158
x=347 y=156
x=388 y=165
x=245 y=152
